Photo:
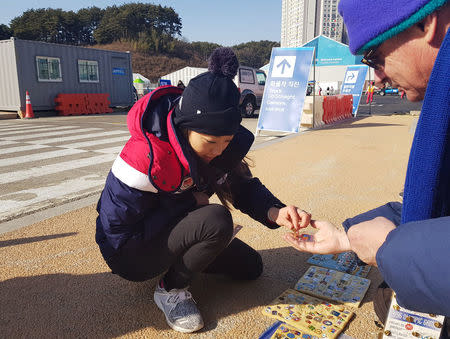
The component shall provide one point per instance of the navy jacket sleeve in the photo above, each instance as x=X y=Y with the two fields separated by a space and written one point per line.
x=392 y=211
x=415 y=262
x=251 y=197
x=125 y=211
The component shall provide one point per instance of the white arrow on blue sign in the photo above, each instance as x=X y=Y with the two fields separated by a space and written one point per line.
x=285 y=89
x=353 y=83
x=283 y=64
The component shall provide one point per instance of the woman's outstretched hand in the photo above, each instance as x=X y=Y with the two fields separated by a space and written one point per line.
x=290 y=216
x=327 y=240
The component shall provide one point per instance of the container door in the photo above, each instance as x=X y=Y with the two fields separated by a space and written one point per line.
x=121 y=93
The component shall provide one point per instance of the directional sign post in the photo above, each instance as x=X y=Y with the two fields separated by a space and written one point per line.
x=285 y=89
x=354 y=83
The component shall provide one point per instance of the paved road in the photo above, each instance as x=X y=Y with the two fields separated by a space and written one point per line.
x=49 y=161
x=388 y=104
x=45 y=162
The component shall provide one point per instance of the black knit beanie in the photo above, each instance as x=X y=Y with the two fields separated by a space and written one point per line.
x=210 y=102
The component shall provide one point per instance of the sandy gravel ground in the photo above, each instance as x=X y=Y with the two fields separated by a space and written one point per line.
x=55 y=284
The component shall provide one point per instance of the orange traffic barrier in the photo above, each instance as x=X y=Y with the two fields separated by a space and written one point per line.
x=29 y=114
x=87 y=103
x=70 y=104
x=337 y=107
x=98 y=103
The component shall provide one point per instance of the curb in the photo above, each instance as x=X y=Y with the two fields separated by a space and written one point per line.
x=8 y=115
x=24 y=220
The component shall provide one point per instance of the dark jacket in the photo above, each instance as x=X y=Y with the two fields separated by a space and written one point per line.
x=151 y=183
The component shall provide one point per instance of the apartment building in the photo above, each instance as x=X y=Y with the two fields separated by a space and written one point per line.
x=303 y=20
x=330 y=22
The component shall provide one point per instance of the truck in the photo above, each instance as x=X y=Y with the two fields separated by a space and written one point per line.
x=250 y=82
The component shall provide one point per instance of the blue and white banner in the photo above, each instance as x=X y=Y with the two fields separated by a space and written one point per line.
x=354 y=83
x=118 y=71
x=285 y=89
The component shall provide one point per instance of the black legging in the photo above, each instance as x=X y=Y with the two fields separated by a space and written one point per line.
x=197 y=243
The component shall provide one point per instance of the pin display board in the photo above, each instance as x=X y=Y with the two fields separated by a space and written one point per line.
x=345 y=262
x=313 y=316
x=333 y=285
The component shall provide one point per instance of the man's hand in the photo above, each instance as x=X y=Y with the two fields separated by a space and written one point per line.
x=290 y=216
x=327 y=240
x=368 y=236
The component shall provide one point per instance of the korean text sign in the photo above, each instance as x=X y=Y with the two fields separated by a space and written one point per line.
x=354 y=83
x=285 y=89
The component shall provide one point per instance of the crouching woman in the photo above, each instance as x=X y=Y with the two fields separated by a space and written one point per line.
x=154 y=212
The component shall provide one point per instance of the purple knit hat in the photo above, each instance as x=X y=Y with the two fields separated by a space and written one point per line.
x=370 y=23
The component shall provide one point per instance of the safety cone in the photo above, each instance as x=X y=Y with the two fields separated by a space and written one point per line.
x=28 y=109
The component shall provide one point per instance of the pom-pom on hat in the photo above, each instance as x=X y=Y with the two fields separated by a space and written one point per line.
x=210 y=102
x=370 y=23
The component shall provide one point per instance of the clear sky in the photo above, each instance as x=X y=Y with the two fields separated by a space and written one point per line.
x=226 y=22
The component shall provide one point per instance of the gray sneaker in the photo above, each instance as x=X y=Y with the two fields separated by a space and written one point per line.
x=179 y=308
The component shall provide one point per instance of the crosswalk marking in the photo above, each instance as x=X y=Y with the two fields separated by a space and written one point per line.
x=22 y=128
x=111 y=150
x=41 y=194
x=40 y=171
x=21 y=149
x=6 y=142
x=33 y=131
x=95 y=142
x=77 y=137
x=39 y=156
x=49 y=134
x=12 y=125
x=27 y=131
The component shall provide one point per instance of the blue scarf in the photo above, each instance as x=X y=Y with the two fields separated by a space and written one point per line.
x=427 y=184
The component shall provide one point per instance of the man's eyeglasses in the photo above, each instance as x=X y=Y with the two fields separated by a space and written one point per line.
x=370 y=59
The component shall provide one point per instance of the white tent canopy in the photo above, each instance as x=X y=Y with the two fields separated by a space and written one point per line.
x=185 y=75
x=143 y=78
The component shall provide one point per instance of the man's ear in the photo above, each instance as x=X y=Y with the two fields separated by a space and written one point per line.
x=429 y=28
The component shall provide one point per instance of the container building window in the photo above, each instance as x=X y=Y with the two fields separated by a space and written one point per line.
x=88 y=71
x=48 y=69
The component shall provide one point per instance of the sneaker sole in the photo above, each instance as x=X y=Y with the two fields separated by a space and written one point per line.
x=173 y=326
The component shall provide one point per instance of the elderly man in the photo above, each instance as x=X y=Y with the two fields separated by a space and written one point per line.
x=407 y=42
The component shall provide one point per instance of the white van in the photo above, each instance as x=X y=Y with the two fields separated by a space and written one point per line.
x=250 y=82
